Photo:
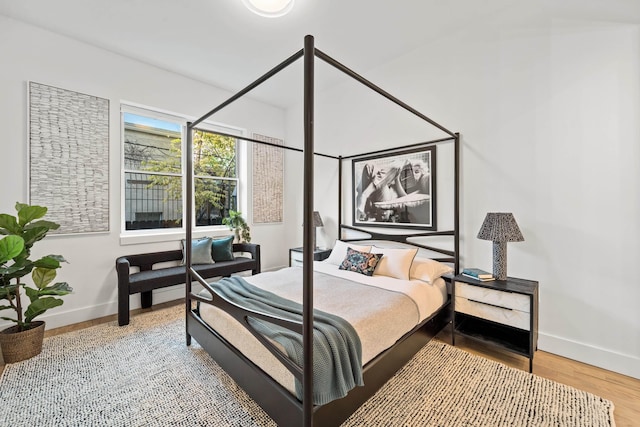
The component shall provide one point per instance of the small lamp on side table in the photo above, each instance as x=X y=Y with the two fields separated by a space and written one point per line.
x=500 y=228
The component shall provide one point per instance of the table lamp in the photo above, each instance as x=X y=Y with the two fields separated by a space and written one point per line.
x=500 y=228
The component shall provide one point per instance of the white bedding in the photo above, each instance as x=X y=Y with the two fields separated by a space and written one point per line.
x=372 y=323
x=428 y=297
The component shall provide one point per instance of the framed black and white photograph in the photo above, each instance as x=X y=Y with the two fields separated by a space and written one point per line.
x=396 y=190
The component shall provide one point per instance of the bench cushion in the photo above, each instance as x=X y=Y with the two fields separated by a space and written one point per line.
x=168 y=276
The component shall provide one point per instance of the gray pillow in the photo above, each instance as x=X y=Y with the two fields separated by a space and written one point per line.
x=200 y=251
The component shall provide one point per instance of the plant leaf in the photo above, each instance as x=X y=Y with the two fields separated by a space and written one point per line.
x=19 y=269
x=43 y=276
x=10 y=247
x=9 y=223
x=59 y=289
x=45 y=224
x=34 y=234
x=10 y=319
x=50 y=261
x=6 y=291
x=27 y=213
x=31 y=293
x=58 y=258
x=39 y=306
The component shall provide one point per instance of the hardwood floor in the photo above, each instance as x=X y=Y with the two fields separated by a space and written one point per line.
x=622 y=390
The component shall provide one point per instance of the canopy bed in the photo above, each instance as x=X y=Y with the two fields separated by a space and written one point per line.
x=235 y=322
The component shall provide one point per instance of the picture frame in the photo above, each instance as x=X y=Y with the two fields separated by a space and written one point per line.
x=396 y=190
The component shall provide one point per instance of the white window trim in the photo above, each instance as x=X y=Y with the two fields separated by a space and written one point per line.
x=131 y=237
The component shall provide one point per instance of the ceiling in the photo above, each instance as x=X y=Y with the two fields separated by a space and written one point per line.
x=221 y=43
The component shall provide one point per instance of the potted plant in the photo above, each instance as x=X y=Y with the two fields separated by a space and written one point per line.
x=237 y=223
x=24 y=339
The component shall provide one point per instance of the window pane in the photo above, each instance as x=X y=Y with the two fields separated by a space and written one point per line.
x=152 y=201
x=151 y=144
x=213 y=155
x=214 y=198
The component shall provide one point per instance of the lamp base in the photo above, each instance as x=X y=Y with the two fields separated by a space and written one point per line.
x=500 y=260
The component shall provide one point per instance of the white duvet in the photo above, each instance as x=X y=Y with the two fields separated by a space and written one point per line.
x=381 y=310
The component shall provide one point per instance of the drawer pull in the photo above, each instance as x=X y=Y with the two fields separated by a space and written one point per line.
x=491 y=305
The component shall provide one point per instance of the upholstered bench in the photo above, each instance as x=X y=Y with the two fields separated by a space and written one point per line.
x=147 y=278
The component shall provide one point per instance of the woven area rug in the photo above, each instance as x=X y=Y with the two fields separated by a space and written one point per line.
x=144 y=375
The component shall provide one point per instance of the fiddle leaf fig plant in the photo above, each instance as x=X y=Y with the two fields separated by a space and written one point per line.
x=21 y=232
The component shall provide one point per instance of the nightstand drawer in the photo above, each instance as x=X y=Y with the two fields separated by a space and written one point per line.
x=295 y=258
x=495 y=297
x=506 y=316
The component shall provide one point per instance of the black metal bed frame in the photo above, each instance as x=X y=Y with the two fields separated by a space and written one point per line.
x=277 y=401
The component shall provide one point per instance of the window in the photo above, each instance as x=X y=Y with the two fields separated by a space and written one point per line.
x=215 y=177
x=154 y=176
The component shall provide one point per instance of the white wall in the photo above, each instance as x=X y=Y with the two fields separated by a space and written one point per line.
x=549 y=121
x=32 y=54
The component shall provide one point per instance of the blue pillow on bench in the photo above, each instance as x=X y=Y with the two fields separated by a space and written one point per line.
x=222 y=249
x=200 y=251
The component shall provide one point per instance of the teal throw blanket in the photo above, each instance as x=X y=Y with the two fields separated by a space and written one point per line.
x=337 y=352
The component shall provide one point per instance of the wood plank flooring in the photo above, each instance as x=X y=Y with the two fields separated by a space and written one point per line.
x=622 y=390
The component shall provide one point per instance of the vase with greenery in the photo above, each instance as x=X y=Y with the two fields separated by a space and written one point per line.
x=21 y=232
x=237 y=223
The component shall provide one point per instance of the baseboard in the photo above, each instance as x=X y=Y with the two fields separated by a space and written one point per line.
x=59 y=317
x=603 y=358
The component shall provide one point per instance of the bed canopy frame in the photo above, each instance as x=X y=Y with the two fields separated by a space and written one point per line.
x=278 y=402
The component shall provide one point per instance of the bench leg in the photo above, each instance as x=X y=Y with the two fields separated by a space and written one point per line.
x=146 y=299
x=123 y=308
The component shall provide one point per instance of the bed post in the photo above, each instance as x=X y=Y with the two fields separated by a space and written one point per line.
x=188 y=214
x=456 y=202
x=339 y=195
x=307 y=319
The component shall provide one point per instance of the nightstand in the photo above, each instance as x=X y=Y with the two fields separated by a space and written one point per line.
x=295 y=256
x=500 y=312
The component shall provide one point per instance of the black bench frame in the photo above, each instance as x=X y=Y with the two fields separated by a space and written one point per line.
x=173 y=275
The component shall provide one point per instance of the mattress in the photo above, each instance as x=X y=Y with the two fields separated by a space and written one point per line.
x=381 y=309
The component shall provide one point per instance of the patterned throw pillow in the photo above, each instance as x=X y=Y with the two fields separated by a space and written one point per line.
x=340 y=251
x=360 y=262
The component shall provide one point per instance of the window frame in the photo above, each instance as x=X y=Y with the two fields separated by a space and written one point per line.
x=168 y=234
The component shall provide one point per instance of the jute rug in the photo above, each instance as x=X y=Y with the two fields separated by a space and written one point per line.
x=144 y=375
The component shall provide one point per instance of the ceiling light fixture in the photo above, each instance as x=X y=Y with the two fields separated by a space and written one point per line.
x=269 y=8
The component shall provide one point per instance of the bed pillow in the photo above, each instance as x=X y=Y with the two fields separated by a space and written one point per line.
x=395 y=262
x=360 y=262
x=200 y=251
x=428 y=270
x=222 y=249
x=340 y=251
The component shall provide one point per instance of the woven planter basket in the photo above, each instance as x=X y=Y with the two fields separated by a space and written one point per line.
x=19 y=346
